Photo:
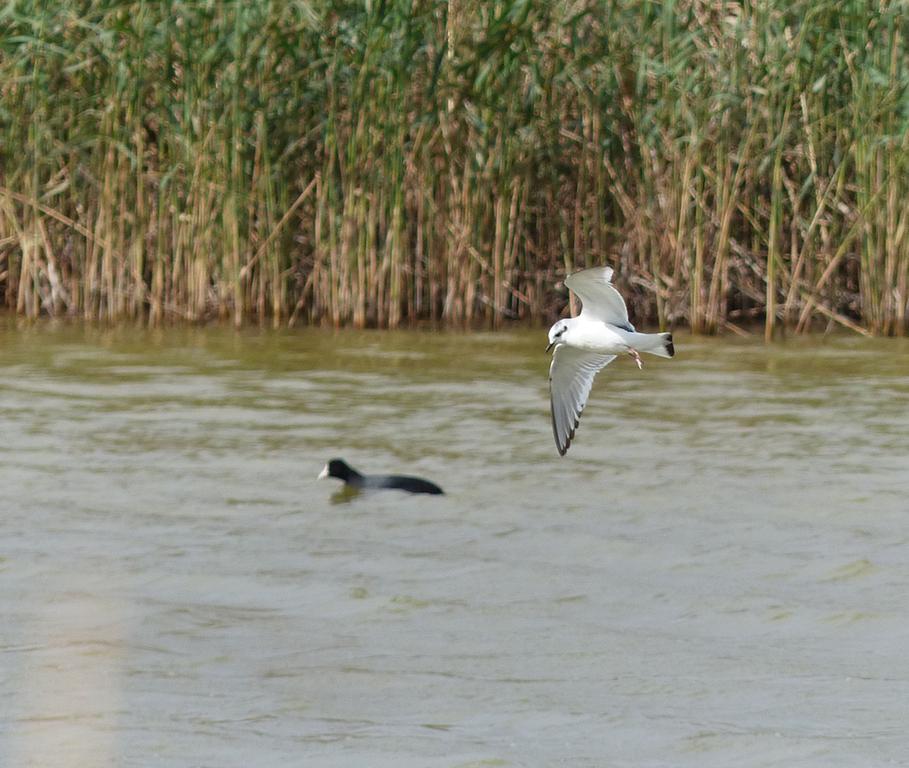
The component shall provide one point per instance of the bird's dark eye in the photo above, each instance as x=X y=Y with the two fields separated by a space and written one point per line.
x=560 y=332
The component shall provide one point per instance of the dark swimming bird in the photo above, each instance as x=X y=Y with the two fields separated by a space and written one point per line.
x=352 y=479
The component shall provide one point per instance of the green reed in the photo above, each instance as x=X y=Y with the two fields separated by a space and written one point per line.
x=380 y=163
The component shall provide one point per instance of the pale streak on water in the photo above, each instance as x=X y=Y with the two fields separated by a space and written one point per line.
x=716 y=574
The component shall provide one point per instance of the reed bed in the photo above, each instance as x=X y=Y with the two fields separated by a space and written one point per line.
x=379 y=163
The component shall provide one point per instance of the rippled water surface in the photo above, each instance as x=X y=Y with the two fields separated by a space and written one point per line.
x=716 y=574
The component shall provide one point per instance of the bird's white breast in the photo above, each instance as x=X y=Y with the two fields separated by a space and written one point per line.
x=595 y=336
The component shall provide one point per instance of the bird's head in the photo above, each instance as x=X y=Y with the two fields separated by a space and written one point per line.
x=336 y=468
x=556 y=332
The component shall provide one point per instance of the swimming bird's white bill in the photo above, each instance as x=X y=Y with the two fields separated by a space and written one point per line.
x=601 y=301
x=570 y=379
x=324 y=473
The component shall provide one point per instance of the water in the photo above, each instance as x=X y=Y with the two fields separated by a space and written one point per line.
x=715 y=575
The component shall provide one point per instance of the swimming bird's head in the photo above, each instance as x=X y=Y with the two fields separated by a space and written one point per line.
x=336 y=468
x=555 y=333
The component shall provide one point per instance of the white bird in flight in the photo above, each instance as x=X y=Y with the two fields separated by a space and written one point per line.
x=589 y=342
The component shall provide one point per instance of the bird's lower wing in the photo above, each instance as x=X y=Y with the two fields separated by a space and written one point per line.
x=601 y=301
x=570 y=379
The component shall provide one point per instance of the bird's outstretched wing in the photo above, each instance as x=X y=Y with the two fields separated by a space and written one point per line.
x=600 y=298
x=570 y=379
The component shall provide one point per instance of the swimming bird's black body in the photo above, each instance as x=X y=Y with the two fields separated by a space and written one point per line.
x=343 y=471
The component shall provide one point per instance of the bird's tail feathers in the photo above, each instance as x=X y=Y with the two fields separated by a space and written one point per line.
x=659 y=344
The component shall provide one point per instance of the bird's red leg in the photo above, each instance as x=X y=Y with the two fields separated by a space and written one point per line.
x=637 y=358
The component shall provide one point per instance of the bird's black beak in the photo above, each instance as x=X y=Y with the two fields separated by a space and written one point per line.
x=551 y=343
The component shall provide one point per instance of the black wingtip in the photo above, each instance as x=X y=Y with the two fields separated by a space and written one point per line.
x=670 y=347
x=563 y=449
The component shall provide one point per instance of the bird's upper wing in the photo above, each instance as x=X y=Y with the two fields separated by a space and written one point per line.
x=570 y=379
x=600 y=298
